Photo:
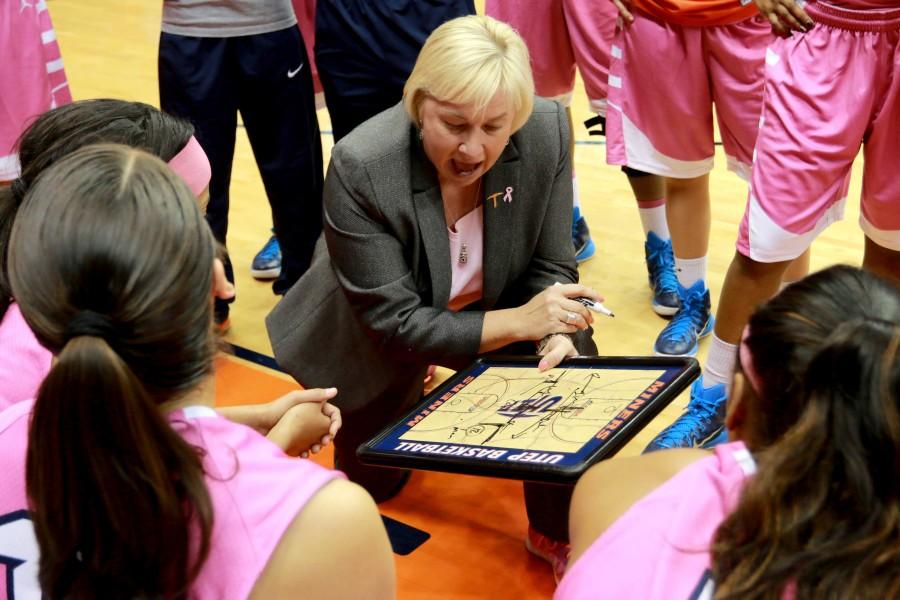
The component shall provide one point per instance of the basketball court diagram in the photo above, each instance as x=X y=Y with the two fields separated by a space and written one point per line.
x=555 y=411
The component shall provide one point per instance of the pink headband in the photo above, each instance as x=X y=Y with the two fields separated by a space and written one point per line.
x=747 y=362
x=192 y=166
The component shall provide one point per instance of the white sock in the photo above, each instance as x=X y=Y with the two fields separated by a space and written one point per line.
x=719 y=363
x=576 y=197
x=654 y=219
x=690 y=270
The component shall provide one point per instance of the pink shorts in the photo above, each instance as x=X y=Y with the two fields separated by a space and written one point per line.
x=828 y=93
x=561 y=34
x=31 y=75
x=663 y=82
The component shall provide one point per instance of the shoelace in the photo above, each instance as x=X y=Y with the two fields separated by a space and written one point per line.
x=689 y=423
x=687 y=320
x=664 y=279
x=271 y=250
x=700 y=412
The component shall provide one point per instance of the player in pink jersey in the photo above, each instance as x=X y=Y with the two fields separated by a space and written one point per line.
x=698 y=55
x=121 y=498
x=24 y=363
x=694 y=61
x=828 y=93
x=32 y=75
x=810 y=511
x=561 y=34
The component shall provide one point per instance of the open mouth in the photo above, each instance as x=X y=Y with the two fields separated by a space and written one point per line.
x=464 y=169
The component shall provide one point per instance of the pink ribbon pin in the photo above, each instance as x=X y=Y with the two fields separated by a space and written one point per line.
x=508 y=196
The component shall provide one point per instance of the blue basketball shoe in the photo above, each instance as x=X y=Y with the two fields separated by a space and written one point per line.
x=267 y=262
x=581 y=237
x=702 y=424
x=692 y=322
x=661 y=273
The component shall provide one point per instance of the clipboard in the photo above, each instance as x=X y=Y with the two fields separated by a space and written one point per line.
x=501 y=417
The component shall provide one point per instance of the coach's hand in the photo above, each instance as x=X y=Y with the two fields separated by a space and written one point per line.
x=554 y=348
x=785 y=16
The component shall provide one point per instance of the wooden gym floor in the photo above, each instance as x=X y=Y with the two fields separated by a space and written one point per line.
x=475 y=549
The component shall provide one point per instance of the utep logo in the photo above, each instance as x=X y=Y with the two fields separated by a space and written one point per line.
x=19 y=557
x=529 y=407
x=507 y=196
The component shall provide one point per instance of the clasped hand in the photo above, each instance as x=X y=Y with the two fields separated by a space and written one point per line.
x=300 y=422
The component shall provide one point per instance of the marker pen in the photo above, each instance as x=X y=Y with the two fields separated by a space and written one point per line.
x=592 y=304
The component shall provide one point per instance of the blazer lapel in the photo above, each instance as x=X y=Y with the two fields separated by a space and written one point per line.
x=500 y=185
x=429 y=208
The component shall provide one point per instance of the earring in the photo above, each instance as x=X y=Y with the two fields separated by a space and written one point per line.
x=421 y=135
x=507 y=141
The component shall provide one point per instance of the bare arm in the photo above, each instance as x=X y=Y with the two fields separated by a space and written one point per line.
x=336 y=548
x=608 y=489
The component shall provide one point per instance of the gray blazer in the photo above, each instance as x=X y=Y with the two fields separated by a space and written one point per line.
x=372 y=306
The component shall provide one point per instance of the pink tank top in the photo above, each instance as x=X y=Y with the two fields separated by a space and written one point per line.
x=23 y=361
x=256 y=491
x=466 y=259
x=659 y=547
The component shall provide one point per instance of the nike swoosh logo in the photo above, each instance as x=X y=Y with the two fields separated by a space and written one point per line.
x=294 y=72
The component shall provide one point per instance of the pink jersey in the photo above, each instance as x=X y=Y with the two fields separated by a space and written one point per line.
x=811 y=130
x=659 y=547
x=696 y=68
x=561 y=34
x=256 y=491
x=31 y=77
x=23 y=361
x=18 y=544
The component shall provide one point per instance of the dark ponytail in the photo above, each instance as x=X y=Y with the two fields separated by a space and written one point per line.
x=111 y=518
x=63 y=130
x=821 y=518
x=111 y=264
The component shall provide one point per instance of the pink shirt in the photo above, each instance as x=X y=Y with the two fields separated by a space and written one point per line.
x=467 y=275
x=32 y=67
x=23 y=361
x=659 y=548
x=18 y=544
x=256 y=491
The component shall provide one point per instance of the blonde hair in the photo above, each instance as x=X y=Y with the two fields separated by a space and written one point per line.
x=469 y=60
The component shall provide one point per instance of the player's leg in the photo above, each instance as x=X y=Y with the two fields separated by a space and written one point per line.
x=688 y=215
x=734 y=58
x=880 y=210
x=641 y=134
x=278 y=108
x=650 y=193
x=590 y=28
x=195 y=83
x=542 y=25
x=581 y=233
x=797 y=270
